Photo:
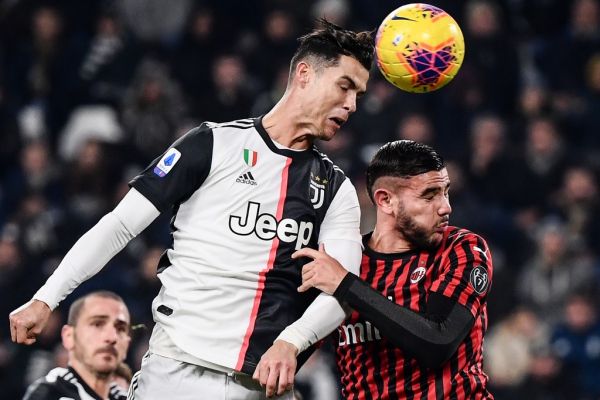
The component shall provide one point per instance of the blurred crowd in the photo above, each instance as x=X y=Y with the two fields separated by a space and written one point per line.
x=91 y=91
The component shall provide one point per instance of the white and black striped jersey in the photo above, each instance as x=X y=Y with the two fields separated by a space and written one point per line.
x=66 y=384
x=242 y=205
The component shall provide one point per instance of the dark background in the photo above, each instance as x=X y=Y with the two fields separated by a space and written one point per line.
x=91 y=91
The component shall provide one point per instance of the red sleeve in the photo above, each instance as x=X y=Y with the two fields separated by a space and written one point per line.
x=466 y=271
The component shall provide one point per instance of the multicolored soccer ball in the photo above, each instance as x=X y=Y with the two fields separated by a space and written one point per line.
x=419 y=48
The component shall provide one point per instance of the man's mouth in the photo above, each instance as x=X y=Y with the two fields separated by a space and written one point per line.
x=112 y=351
x=338 y=121
x=442 y=226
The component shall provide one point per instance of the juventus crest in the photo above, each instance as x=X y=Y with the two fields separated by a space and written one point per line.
x=317 y=191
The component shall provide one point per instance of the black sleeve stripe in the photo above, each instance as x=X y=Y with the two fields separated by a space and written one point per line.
x=470 y=262
x=185 y=176
x=234 y=125
x=453 y=257
x=488 y=263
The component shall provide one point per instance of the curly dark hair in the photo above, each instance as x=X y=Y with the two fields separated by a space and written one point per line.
x=329 y=42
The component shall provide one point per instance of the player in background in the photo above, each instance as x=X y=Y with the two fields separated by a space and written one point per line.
x=245 y=195
x=419 y=306
x=96 y=336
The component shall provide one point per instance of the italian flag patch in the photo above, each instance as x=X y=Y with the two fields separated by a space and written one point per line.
x=250 y=157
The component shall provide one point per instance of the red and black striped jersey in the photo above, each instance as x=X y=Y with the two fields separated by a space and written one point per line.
x=372 y=367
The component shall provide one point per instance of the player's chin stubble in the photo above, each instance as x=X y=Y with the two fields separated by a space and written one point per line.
x=417 y=236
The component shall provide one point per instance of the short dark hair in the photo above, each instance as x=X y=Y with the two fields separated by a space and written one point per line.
x=402 y=159
x=330 y=42
x=77 y=306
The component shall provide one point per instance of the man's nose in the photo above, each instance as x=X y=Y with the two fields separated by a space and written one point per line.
x=445 y=207
x=350 y=104
x=111 y=334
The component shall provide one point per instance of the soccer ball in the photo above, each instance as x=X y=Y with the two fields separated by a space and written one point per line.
x=419 y=48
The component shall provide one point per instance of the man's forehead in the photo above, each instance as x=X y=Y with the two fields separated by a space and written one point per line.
x=434 y=177
x=102 y=307
x=350 y=68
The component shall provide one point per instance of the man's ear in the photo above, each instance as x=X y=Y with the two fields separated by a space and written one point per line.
x=302 y=73
x=384 y=200
x=68 y=337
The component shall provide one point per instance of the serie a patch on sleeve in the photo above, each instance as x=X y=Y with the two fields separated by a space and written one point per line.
x=479 y=279
x=167 y=162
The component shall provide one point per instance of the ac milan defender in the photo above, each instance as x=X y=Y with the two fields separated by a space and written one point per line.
x=419 y=306
x=245 y=195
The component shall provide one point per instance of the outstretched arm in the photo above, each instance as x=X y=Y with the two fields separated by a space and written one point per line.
x=431 y=337
x=86 y=258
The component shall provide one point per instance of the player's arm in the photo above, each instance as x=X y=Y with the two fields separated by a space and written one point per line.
x=431 y=337
x=341 y=235
x=170 y=179
x=87 y=256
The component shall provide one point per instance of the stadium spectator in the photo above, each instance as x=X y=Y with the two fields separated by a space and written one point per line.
x=123 y=376
x=509 y=349
x=576 y=343
x=546 y=157
x=577 y=201
x=416 y=127
x=555 y=271
x=152 y=109
x=544 y=379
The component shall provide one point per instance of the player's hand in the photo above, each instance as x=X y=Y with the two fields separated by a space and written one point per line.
x=277 y=367
x=27 y=321
x=323 y=272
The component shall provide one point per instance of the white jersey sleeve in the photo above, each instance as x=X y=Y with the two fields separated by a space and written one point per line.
x=342 y=220
x=96 y=247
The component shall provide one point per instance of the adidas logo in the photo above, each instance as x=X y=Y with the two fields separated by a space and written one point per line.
x=247 y=178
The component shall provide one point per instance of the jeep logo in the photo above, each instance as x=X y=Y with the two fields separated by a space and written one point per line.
x=266 y=227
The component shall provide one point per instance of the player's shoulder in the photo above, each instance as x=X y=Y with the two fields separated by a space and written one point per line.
x=330 y=168
x=49 y=386
x=235 y=125
x=210 y=127
x=200 y=139
x=456 y=236
x=56 y=373
x=116 y=392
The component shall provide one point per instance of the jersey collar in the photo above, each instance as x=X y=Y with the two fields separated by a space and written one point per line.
x=284 y=152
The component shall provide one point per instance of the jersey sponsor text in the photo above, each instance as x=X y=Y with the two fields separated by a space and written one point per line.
x=266 y=226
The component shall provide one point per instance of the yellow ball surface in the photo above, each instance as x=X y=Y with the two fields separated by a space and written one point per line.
x=419 y=48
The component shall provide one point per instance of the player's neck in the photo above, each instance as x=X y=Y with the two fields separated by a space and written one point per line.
x=100 y=384
x=286 y=125
x=386 y=239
